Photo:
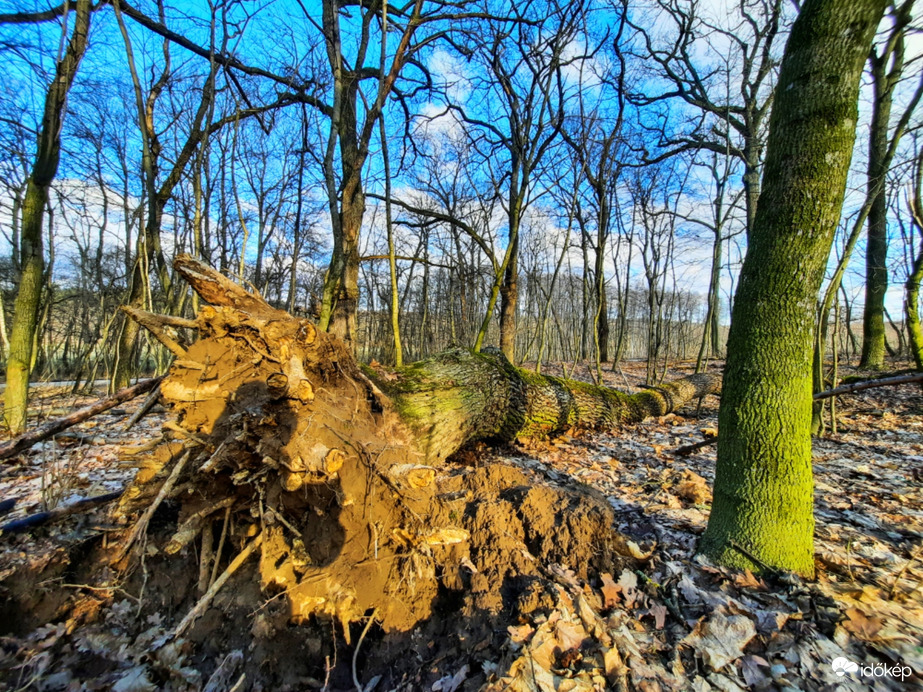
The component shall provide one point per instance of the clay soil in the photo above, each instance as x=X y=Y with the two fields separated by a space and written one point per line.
x=560 y=565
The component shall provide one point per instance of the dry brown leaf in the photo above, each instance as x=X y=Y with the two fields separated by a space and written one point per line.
x=629 y=583
x=611 y=591
x=721 y=639
x=659 y=613
x=862 y=625
x=693 y=488
x=747 y=580
x=570 y=635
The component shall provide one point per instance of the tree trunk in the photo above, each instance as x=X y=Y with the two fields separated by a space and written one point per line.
x=876 y=253
x=341 y=470
x=763 y=499
x=31 y=258
x=915 y=277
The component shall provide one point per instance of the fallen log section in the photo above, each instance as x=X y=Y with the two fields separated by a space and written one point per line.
x=41 y=518
x=870 y=384
x=23 y=442
x=341 y=470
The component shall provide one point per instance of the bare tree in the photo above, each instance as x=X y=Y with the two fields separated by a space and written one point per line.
x=731 y=102
x=32 y=259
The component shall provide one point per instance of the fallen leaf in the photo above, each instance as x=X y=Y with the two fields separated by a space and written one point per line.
x=861 y=625
x=134 y=680
x=570 y=635
x=450 y=683
x=693 y=488
x=751 y=669
x=746 y=580
x=611 y=591
x=721 y=639
x=629 y=583
x=659 y=613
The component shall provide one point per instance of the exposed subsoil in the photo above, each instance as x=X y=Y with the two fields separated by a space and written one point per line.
x=566 y=565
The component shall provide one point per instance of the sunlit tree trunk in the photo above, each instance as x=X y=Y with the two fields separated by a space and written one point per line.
x=915 y=277
x=763 y=499
x=32 y=261
x=876 y=254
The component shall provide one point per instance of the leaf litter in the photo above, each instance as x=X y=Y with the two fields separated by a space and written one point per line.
x=667 y=620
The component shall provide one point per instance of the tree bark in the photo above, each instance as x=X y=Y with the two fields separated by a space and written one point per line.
x=460 y=396
x=763 y=499
x=915 y=276
x=876 y=253
x=32 y=260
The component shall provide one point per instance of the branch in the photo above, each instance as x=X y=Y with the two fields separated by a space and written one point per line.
x=23 y=442
x=36 y=17
x=370 y=258
x=223 y=60
x=20 y=525
x=870 y=384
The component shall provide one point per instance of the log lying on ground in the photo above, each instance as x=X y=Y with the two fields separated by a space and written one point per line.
x=870 y=384
x=458 y=396
x=341 y=471
x=34 y=520
x=23 y=442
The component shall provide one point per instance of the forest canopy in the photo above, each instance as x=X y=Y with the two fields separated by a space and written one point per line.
x=567 y=180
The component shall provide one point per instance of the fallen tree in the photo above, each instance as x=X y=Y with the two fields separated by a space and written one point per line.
x=336 y=475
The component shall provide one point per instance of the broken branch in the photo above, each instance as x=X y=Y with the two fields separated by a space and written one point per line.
x=870 y=384
x=23 y=442
x=43 y=518
x=216 y=587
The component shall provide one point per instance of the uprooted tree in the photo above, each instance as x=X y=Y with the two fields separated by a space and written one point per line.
x=336 y=475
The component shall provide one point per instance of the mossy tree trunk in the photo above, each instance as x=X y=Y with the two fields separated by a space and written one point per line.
x=915 y=278
x=460 y=396
x=886 y=72
x=32 y=260
x=763 y=499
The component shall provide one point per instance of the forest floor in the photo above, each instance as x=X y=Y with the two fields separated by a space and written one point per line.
x=664 y=620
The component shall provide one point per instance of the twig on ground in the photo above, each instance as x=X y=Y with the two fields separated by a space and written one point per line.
x=146 y=407
x=221 y=678
x=224 y=535
x=689 y=449
x=359 y=687
x=913 y=556
x=205 y=558
x=203 y=602
x=750 y=556
x=165 y=489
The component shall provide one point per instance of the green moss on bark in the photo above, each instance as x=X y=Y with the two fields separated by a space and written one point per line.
x=763 y=499
x=460 y=396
